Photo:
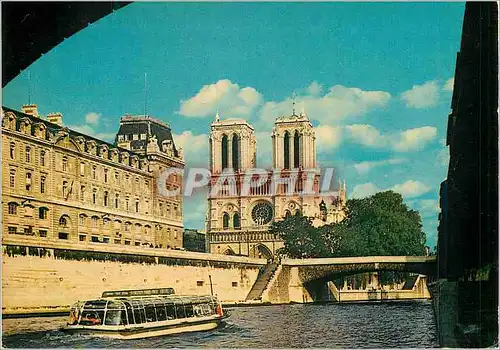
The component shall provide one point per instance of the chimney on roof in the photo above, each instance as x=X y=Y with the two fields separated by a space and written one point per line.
x=55 y=118
x=31 y=109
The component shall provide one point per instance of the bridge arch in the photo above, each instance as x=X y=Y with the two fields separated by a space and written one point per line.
x=260 y=251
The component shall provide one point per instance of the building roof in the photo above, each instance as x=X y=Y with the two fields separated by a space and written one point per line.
x=150 y=126
x=54 y=128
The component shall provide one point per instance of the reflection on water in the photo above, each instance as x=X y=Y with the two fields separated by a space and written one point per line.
x=362 y=325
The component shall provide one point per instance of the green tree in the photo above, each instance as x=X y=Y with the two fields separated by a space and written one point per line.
x=303 y=240
x=382 y=225
x=377 y=225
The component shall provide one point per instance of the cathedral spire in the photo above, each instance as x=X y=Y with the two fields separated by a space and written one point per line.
x=293 y=102
x=217 y=118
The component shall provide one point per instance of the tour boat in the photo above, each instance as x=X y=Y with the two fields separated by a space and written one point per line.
x=134 y=314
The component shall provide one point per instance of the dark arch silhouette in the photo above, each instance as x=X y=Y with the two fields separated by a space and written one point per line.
x=30 y=30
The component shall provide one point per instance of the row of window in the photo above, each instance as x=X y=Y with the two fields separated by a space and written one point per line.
x=64 y=220
x=95 y=174
x=28 y=231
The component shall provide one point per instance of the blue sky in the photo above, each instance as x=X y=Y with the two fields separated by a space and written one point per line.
x=374 y=78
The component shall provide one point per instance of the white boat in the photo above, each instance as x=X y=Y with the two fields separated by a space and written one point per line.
x=134 y=314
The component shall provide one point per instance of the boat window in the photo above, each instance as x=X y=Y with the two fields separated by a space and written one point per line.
x=96 y=304
x=198 y=310
x=113 y=318
x=150 y=313
x=92 y=317
x=189 y=310
x=171 y=315
x=161 y=313
x=130 y=313
x=207 y=310
x=115 y=305
x=139 y=315
x=181 y=312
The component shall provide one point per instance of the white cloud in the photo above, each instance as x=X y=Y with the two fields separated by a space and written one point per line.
x=264 y=149
x=366 y=135
x=327 y=137
x=225 y=96
x=338 y=103
x=92 y=118
x=365 y=167
x=314 y=89
x=429 y=207
x=448 y=86
x=408 y=189
x=89 y=130
x=411 y=188
x=403 y=141
x=364 y=190
x=195 y=147
x=414 y=139
x=422 y=96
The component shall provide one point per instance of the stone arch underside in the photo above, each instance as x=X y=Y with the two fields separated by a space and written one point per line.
x=313 y=273
x=260 y=251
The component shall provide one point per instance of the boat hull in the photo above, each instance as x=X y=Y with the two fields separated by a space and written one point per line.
x=146 y=332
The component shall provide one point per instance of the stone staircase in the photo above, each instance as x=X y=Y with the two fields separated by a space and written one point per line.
x=262 y=281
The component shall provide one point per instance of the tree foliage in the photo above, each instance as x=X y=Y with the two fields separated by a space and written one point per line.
x=303 y=240
x=377 y=225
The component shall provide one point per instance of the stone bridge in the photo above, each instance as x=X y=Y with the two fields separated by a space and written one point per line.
x=327 y=268
x=293 y=276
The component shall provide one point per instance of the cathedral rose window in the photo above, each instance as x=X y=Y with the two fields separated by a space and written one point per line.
x=262 y=213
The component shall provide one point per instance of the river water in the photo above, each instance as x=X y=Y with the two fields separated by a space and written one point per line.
x=404 y=324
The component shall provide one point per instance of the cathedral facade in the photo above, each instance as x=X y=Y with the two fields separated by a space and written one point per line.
x=239 y=215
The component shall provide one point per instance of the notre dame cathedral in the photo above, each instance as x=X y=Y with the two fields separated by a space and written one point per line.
x=238 y=221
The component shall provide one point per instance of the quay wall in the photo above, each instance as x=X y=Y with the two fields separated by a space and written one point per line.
x=55 y=278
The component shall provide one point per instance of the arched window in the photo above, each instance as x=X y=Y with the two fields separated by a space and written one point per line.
x=236 y=153
x=95 y=221
x=224 y=152
x=106 y=198
x=65 y=164
x=287 y=213
x=13 y=208
x=83 y=220
x=117 y=200
x=286 y=150
x=42 y=213
x=225 y=220
x=236 y=220
x=63 y=221
x=296 y=151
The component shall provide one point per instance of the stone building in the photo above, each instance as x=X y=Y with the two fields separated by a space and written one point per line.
x=237 y=220
x=194 y=240
x=61 y=186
